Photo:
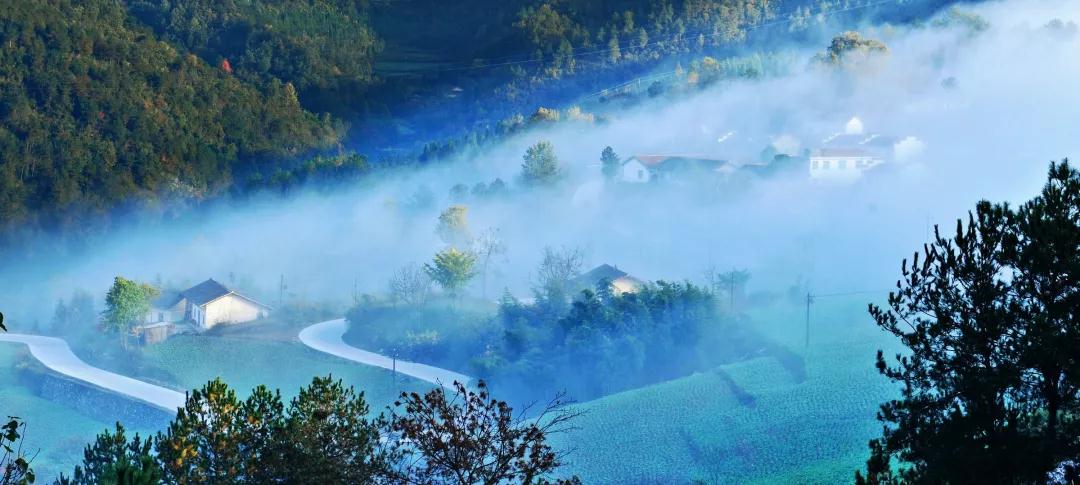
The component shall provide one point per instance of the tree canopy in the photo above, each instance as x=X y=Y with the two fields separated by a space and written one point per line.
x=540 y=165
x=452 y=269
x=990 y=379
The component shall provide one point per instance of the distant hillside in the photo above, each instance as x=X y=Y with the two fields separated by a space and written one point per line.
x=323 y=47
x=123 y=104
x=96 y=112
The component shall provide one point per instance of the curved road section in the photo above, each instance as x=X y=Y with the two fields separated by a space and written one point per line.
x=55 y=354
x=326 y=337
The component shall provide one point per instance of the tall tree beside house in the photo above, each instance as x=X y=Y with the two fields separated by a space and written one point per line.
x=990 y=380
x=452 y=269
x=126 y=304
x=609 y=163
x=540 y=166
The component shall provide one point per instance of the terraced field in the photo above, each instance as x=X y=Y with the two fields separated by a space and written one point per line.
x=694 y=428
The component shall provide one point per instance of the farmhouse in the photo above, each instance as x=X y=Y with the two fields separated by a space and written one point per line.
x=204 y=305
x=621 y=281
x=842 y=163
x=210 y=303
x=640 y=169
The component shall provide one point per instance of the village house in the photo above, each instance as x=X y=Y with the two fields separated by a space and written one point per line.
x=640 y=169
x=842 y=163
x=849 y=154
x=201 y=308
x=621 y=281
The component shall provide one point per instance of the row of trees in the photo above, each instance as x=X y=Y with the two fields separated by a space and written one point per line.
x=605 y=341
x=327 y=434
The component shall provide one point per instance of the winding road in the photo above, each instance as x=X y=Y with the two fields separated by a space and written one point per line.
x=326 y=337
x=55 y=354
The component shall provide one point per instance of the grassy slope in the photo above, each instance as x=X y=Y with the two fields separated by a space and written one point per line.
x=694 y=428
x=243 y=364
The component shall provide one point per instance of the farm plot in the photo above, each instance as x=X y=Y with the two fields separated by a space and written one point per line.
x=813 y=431
x=244 y=364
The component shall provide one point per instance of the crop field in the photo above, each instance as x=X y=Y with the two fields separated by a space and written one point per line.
x=244 y=364
x=694 y=428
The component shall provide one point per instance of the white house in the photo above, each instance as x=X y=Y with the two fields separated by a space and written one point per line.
x=210 y=303
x=640 y=169
x=842 y=163
x=205 y=305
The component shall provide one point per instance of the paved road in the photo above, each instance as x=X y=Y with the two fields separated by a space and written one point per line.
x=55 y=354
x=326 y=337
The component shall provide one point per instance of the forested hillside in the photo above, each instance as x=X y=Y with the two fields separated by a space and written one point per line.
x=96 y=111
x=325 y=47
x=108 y=104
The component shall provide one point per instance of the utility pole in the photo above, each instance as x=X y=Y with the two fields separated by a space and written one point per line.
x=281 y=291
x=731 y=289
x=809 y=300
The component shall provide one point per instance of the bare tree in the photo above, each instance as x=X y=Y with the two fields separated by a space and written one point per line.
x=730 y=285
x=487 y=246
x=410 y=285
x=470 y=437
x=557 y=268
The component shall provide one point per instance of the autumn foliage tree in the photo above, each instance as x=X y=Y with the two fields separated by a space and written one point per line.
x=468 y=437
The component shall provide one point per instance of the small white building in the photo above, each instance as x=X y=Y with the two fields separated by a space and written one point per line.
x=640 y=169
x=842 y=163
x=205 y=305
x=211 y=303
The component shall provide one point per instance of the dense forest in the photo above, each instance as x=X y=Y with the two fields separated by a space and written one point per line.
x=110 y=105
x=96 y=112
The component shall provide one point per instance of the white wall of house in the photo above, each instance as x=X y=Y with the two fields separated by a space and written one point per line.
x=230 y=309
x=173 y=314
x=841 y=168
x=633 y=171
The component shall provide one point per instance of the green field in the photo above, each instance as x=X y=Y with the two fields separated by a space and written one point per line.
x=246 y=363
x=795 y=432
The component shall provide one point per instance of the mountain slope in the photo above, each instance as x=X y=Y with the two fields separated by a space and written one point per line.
x=95 y=112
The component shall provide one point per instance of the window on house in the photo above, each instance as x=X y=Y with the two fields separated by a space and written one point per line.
x=640 y=174
x=841 y=164
x=824 y=164
x=813 y=164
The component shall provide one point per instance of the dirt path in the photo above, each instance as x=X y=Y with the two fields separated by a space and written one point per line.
x=326 y=337
x=55 y=354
